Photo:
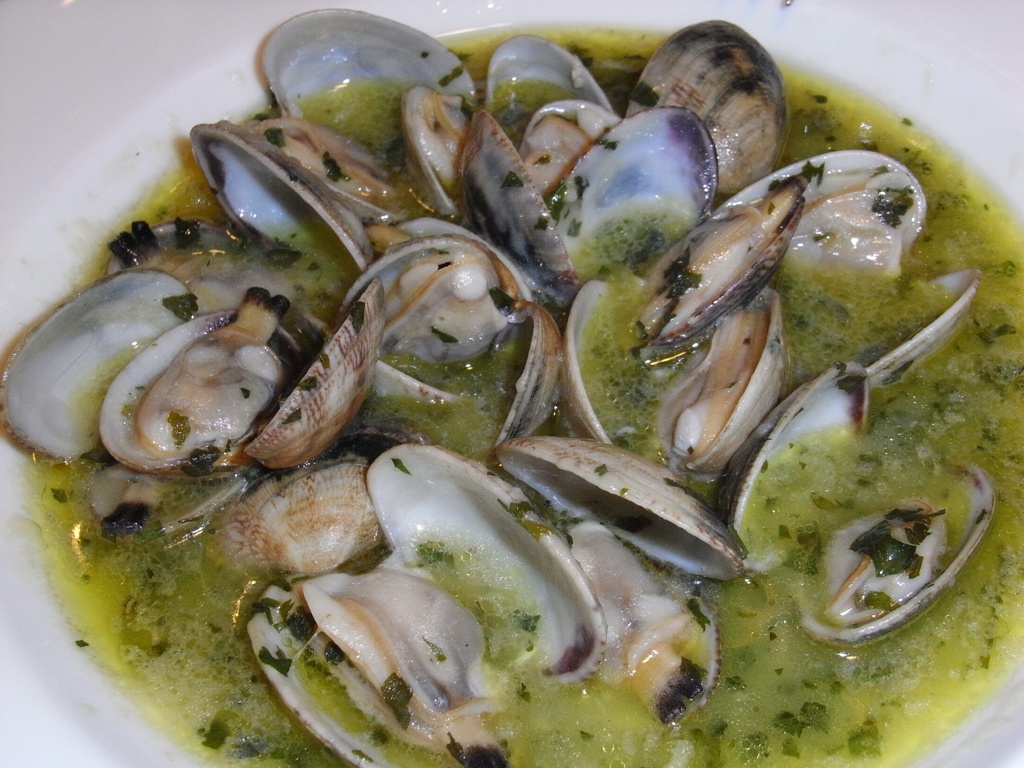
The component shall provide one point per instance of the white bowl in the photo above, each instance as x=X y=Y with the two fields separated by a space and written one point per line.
x=97 y=99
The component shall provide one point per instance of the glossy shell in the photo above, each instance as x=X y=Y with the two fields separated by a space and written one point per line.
x=724 y=75
x=641 y=501
x=48 y=378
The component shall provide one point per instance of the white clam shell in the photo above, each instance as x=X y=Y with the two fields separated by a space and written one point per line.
x=641 y=501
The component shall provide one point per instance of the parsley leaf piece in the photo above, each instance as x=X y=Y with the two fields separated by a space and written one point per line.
x=183 y=307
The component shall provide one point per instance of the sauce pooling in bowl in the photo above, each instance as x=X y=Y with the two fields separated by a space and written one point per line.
x=164 y=617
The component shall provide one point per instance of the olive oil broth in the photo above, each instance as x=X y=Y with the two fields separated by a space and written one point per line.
x=169 y=621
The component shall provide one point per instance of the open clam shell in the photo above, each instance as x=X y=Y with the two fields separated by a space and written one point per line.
x=378 y=636
x=557 y=135
x=912 y=593
x=963 y=286
x=48 y=378
x=266 y=191
x=837 y=399
x=640 y=501
x=542 y=66
x=656 y=641
x=716 y=405
x=579 y=411
x=319 y=51
x=720 y=265
x=437 y=508
x=330 y=392
x=862 y=209
x=502 y=204
x=642 y=186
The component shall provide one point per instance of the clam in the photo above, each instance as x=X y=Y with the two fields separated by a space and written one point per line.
x=525 y=72
x=557 y=135
x=395 y=646
x=443 y=296
x=884 y=570
x=862 y=209
x=309 y=520
x=716 y=404
x=837 y=400
x=48 y=380
x=724 y=75
x=662 y=641
x=963 y=286
x=720 y=265
x=269 y=193
x=322 y=51
x=477 y=534
x=435 y=128
x=216 y=263
x=643 y=184
x=639 y=500
x=149 y=506
x=194 y=396
x=503 y=206
x=330 y=392
x=578 y=410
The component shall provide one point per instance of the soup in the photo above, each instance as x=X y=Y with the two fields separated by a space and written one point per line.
x=164 y=617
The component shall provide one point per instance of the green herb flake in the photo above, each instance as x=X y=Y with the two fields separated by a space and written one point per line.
x=528 y=622
x=434 y=553
x=180 y=428
x=601 y=469
x=445 y=337
x=644 y=95
x=891 y=204
x=557 y=199
x=59 y=495
x=279 y=662
x=183 y=306
x=679 y=278
x=275 y=136
x=356 y=316
x=246 y=392
x=82 y=643
x=573 y=229
x=888 y=555
x=397 y=694
x=813 y=172
x=332 y=169
x=698 y=612
x=520 y=509
x=294 y=416
x=216 y=733
x=512 y=179
x=865 y=741
x=879 y=600
x=438 y=652
x=308 y=384
x=400 y=466
x=989 y=334
x=451 y=76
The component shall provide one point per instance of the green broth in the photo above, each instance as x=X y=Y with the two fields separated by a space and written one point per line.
x=169 y=621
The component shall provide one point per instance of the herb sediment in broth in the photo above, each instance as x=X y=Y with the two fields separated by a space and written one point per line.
x=170 y=620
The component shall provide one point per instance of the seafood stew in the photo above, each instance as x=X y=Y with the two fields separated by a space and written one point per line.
x=158 y=648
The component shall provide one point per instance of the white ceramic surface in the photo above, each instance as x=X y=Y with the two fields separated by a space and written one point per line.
x=97 y=96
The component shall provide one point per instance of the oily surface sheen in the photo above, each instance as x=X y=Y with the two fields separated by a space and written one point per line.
x=169 y=621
